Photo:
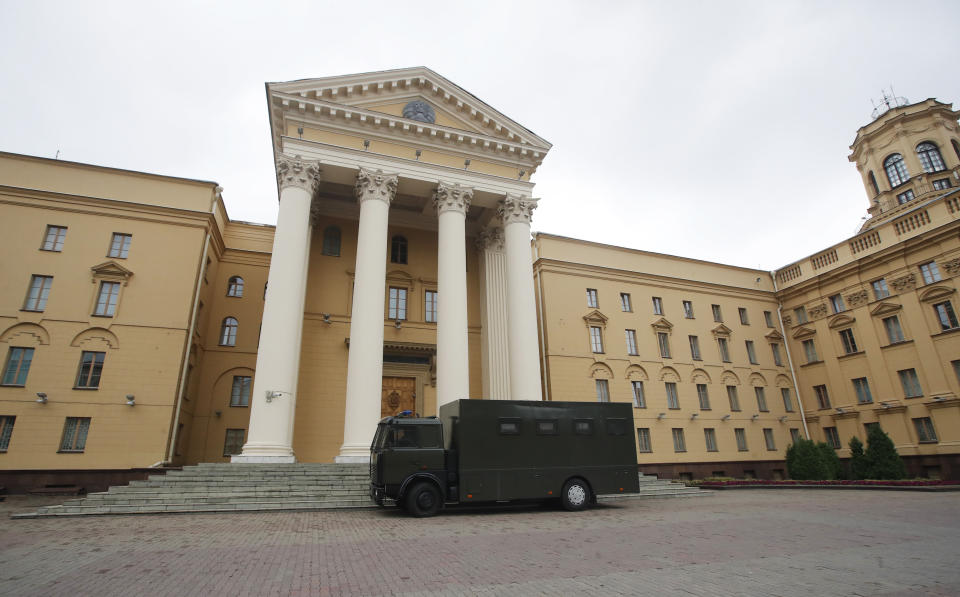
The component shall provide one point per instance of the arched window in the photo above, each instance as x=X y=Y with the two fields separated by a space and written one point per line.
x=896 y=170
x=956 y=147
x=228 y=332
x=398 y=249
x=873 y=182
x=235 y=286
x=930 y=158
x=331 y=241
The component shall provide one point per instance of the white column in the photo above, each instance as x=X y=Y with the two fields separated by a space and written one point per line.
x=493 y=315
x=273 y=401
x=375 y=192
x=453 y=360
x=516 y=213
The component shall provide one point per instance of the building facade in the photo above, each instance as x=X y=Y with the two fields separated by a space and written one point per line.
x=141 y=326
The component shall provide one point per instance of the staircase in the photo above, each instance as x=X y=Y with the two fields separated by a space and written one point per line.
x=226 y=487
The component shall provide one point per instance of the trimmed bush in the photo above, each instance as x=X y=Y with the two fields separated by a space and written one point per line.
x=881 y=457
x=831 y=462
x=858 y=460
x=804 y=461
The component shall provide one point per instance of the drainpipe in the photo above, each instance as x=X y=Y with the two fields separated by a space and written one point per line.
x=540 y=321
x=786 y=345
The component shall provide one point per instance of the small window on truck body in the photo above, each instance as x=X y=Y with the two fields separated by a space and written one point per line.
x=616 y=426
x=546 y=426
x=509 y=426
x=583 y=426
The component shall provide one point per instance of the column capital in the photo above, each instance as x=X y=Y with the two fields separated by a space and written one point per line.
x=516 y=209
x=452 y=197
x=375 y=185
x=490 y=238
x=294 y=171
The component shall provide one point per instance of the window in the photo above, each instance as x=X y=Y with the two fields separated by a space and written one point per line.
x=775 y=349
x=941 y=184
x=956 y=147
x=581 y=426
x=592 y=300
x=625 y=302
x=880 y=289
x=823 y=398
x=679 y=444
x=38 y=293
x=761 y=399
x=862 y=389
x=710 y=438
x=75 y=431
x=596 y=339
x=724 y=350
x=91 y=366
x=397 y=309
x=945 y=315
x=53 y=239
x=398 y=249
x=910 y=383
x=240 y=393
x=235 y=286
x=643 y=440
x=930 y=159
x=751 y=353
x=925 y=431
x=228 y=331
x=873 y=183
x=930 y=272
x=768 y=438
x=331 y=241
x=768 y=318
x=794 y=434
x=717 y=314
x=956 y=368
x=603 y=390
x=896 y=170
x=832 y=437
x=664 y=341
x=703 y=396
x=233 y=442
x=810 y=351
x=657 y=306
x=836 y=303
x=694 y=348
x=631 y=341
x=6 y=430
x=548 y=427
x=733 y=398
x=430 y=303
x=120 y=245
x=639 y=401
x=801 y=314
x=744 y=319
x=741 y=435
x=894 y=331
x=905 y=197
x=673 y=402
x=17 y=367
x=787 y=402
x=688 y=309
x=509 y=426
x=848 y=341
x=107 y=299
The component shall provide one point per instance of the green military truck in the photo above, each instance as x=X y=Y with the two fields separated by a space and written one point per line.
x=480 y=451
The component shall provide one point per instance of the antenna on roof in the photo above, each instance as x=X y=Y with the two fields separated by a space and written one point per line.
x=57 y=157
x=890 y=101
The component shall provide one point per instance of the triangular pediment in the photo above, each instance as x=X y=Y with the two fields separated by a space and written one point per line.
x=936 y=293
x=803 y=332
x=722 y=330
x=884 y=308
x=662 y=324
x=111 y=270
x=774 y=335
x=595 y=317
x=840 y=321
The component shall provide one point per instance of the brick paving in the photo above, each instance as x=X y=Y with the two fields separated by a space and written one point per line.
x=758 y=542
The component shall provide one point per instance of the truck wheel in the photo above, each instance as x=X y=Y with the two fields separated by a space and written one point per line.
x=576 y=495
x=423 y=500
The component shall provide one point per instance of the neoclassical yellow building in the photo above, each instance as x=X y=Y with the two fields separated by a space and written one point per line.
x=142 y=327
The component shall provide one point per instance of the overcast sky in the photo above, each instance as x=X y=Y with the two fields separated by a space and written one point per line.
x=713 y=130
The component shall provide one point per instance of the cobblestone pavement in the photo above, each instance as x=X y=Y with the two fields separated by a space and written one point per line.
x=758 y=542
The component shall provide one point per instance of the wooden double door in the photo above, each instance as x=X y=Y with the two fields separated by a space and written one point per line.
x=398 y=394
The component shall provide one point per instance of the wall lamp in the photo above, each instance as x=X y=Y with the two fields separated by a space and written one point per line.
x=522 y=174
x=783 y=418
x=326 y=318
x=41 y=397
x=466 y=163
x=419 y=153
x=940 y=399
x=661 y=416
x=755 y=417
x=218 y=413
x=841 y=410
x=397 y=324
x=725 y=418
x=694 y=416
x=366 y=144
x=130 y=400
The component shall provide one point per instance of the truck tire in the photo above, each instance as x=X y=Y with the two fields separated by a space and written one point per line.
x=423 y=500
x=576 y=495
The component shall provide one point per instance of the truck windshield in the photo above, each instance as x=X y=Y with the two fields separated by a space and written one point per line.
x=408 y=436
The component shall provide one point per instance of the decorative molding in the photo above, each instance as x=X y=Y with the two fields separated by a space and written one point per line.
x=787 y=320
x=298 y=173
x=600 y=370
x=94 y=334
x=722 y=330
x=111 y=270
x=595 y=317
x=516 y=209
x=699 y=376
x=936 y=293
x=757 y=380
x=669 y=374
x=729 y=378
x=452 y=197
x=774 y=335
x=636 y=373
x=803 y=332
x=375 y=185
x=490 y=239
x=953 y=266
x=839 y=321
x=662 y=325
x=904 y=283
x=885 y=308
x=857 y=298
x=818 y=311
x=20 y=332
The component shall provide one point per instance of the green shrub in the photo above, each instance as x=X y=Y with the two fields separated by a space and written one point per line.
x=858 y=460
x=831 y=462
x=804 y=461
x=881 y=457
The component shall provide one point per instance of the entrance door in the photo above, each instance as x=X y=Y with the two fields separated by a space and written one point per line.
x=399 y=394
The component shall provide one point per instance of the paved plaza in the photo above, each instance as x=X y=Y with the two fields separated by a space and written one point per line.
x=758 y=542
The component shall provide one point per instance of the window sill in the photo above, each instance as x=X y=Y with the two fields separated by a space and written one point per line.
x=697 y=359
x=32 y=310
x=12 y=385
x=851 y=354
x=51 y=250
x=808 y=363
x=101 y=315
x=900 y=343
x=913 y=397
x=234 y=296
x=945 y=332
x=228 y=345
x=115 y=257
x=69 y=451
x=85 y=388
x=929 y=441
x=673 y=408
x=237 y=405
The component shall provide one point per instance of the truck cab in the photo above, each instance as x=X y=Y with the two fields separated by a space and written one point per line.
x=408 y=464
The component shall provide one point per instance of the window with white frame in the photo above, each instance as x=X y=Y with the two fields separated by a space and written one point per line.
x=775 y=349
x=694 y=348
x=930 y=158
x=596 y=339
x=880 y=289
x=688 y=309
x=235 y=287
x=836 y=303
x=896 y=170
x=769 y=440
x=625 y=302
x=639 y=400
x=703 y=396
x=228 y=331
x=823 y=398
x=894 y=331
x=120 y=245
x=673 y=400
x=930 y=272
x=848 y=341
x=810 y=351
x=657 y=305
x=717 y=313
x=832 y=437
x=800 y=313
x=107 y=299
x=710 y=438
x=945 y=315
x=643 y=440
x=663 y=340
x=787 y=401
x=75 y=431
x=679 y=444
x=941 y=184
x=592 y=300
x=926 y=434
x=768 y=318
x=761 y=394
x=38 y=293
x=751 y=353
x=430 y=305
x=397 y=304
x=741 y=436
x=240 y=392
x=862 y=389
x=53 y=239
x=910 y=383
x=724 y=349
x=603 y=390
x=905 y=197
x=734 y=398
x=631 y=336
x=744 y=318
